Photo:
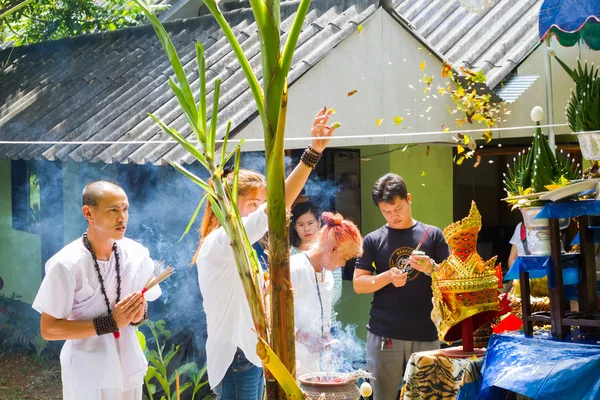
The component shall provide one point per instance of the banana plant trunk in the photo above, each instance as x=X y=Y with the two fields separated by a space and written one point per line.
x=271 y=101
x=282 y=301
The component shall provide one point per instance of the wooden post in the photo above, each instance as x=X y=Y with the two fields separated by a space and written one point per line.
x=588 y=296
x=526 y=303
x=467 y=334
x=557 y=293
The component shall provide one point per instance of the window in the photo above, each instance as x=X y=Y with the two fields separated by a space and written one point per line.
x=25 y=191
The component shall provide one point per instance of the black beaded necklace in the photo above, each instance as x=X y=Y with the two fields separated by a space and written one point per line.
x=88 y=245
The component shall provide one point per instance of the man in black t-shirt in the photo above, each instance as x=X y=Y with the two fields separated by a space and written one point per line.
x=400 y=322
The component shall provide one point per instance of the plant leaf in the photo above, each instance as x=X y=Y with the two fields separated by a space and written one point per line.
x=189 y=226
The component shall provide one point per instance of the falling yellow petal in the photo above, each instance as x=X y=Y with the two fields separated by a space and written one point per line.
x=398 y=120
x=460 y=161
x=478 y=117
x=404 y=149
x=419 y=48
x=422 y=65
x=459 y=149
x=428 y=109
x=449 y=110
x=467 y=139
x=359 y=28
x=331 y=111
x=487 y=136
x=423 y=173
x=447 y=130
x=378 y=121
x=426 y=90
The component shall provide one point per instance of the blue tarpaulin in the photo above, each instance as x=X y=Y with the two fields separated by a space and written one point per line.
x=571 y=21
x=541 y=368
x=569 y=209
x=540 y=266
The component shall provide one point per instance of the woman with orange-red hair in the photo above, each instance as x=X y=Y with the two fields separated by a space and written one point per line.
x=338 y=241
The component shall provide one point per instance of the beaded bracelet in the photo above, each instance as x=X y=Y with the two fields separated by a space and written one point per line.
x=105 y=325
x=310 y=157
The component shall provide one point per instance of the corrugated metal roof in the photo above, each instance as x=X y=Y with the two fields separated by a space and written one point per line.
x=495 y=41
x=512 y=87
x=101 y=87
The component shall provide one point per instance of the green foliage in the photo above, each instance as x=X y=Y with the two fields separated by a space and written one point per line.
x=19 y=329
x=536 y=169
x=159 y=359
x=51 y=20
x=583 y=110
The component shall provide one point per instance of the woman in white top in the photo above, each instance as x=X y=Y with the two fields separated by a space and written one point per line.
x=304 y=227
x=338 y=241
x=234 y=368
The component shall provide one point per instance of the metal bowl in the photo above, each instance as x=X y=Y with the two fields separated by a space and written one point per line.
x=541 y=224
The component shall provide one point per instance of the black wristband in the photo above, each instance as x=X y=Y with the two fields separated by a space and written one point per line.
x=105 y=324
x=310 y=157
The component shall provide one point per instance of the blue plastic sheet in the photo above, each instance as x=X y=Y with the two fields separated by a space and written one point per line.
x=571 y=21
x=540 y=266
x=541 y=368
x=569 y=209
x=595 y=230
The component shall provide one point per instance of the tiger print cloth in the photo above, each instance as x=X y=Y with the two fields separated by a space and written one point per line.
x=429 y=375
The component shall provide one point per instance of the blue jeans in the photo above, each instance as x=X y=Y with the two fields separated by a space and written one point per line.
x=242 y=381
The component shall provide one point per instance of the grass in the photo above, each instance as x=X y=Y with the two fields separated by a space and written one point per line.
x=26 y=377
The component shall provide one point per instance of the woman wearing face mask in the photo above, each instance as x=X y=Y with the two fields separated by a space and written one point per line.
x=234 y=368
x=338 y=241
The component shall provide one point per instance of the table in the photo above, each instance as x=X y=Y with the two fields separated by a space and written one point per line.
x=429 y=375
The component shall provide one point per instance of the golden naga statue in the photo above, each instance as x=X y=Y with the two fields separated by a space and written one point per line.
x=464 y=285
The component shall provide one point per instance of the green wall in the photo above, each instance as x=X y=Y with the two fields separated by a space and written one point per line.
x=431 y=204
x=20 y=253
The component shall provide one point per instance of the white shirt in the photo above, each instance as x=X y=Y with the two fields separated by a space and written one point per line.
x=228 y=318
x=516 y=240
x=71 y=290
x=308 y=286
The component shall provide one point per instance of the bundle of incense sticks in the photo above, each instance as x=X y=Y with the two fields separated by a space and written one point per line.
x=155 y=279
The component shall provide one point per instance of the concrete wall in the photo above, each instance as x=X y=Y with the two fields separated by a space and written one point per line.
x=20 y=267
x=380 y=63
x=536 y=94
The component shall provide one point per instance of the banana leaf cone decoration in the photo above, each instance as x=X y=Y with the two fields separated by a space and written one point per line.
x=537 y=169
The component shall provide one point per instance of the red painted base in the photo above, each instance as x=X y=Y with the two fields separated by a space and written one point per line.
x=460 y=353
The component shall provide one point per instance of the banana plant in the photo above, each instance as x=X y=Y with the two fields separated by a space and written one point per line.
x=280 y=360
x=271 y=102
